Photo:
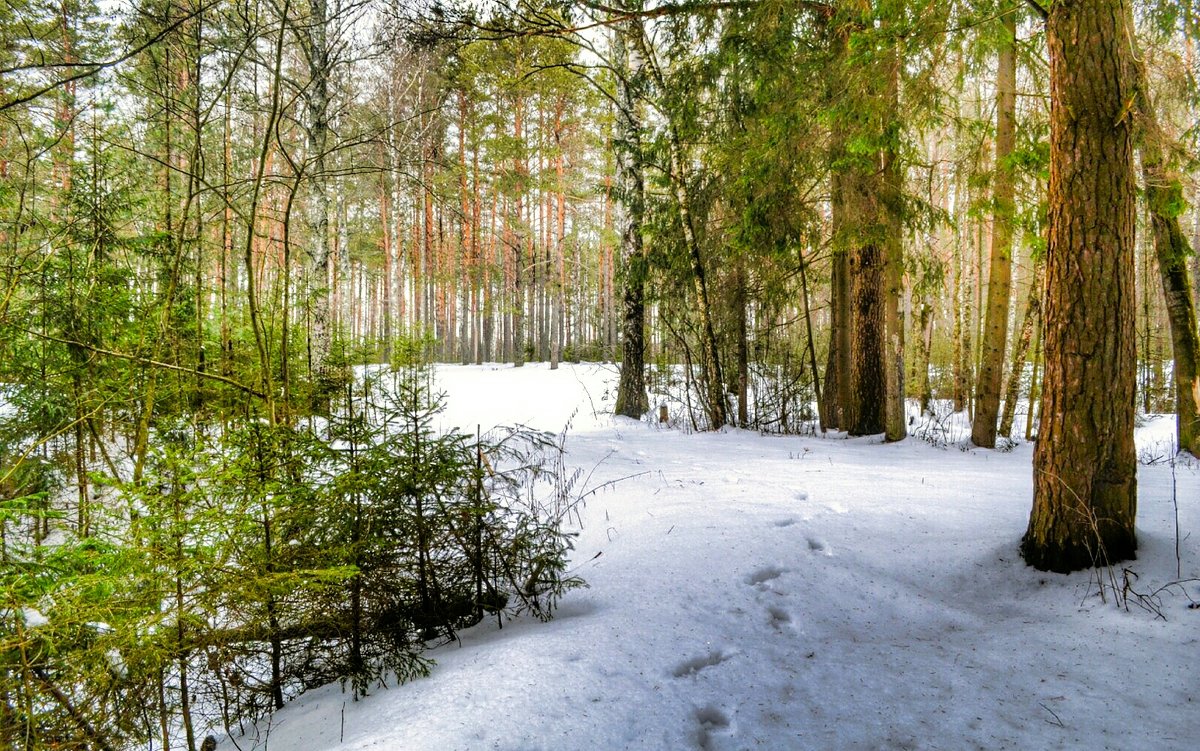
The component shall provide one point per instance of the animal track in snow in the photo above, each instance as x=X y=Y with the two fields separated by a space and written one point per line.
x=785 y=523
x=696 y=664
x=712 y=720
x=764 y=575
x=817 y=545
x=779 y=617
x=801 y=495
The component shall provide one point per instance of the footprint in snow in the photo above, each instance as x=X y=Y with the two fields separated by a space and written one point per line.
x=785 y=523
x=764 y=575
x=696 y=664
x=817 y=545
x=779 y=618
x=712 y=721
x=801 y=496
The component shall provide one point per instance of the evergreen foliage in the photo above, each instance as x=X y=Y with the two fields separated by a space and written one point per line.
x=255 y=561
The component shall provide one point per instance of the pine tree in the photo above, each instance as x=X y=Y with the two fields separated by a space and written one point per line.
x=1085 y=488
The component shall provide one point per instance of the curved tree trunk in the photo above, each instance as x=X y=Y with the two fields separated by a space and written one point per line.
x=1085 y=470
x=1163 y=193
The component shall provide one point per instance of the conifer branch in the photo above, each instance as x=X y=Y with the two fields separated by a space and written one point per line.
x=91 y=69
x=149 y=361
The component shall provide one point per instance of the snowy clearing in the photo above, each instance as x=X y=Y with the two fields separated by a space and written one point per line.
x=792 y=593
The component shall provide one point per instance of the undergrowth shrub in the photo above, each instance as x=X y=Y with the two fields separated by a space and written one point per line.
x=256 y=560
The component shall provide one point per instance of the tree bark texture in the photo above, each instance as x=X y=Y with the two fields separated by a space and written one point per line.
x=837 y=368
x=862 y=223
x=1085 y=469
x=995 y=331
x=868 y=377
x=631 y=388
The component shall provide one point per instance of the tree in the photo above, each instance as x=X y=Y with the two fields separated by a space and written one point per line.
x=1164 y=198
x=995 y=338
x=866 y=195
x=631 y=389
x=1085 y=469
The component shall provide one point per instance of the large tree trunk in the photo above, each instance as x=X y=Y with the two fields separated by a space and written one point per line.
x=631 y=389
x=863 y=220
x=1085 y=468
x=868 y=377
x=1163 y=196
x=837 y=368
x=995 y=332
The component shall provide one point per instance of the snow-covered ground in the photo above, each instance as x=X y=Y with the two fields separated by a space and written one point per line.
x=752 y=592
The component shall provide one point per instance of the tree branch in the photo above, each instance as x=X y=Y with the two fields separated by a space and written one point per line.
x=148 y=361
x=94 y=68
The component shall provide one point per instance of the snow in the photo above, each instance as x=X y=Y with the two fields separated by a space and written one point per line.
x=794 y=593
x=33 y=618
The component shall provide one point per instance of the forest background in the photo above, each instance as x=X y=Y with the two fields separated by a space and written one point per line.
x=795 y=215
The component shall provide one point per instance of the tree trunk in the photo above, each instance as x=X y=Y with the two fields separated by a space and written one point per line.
x=822 y=410
x=521 y=168
x=317 y=104
x=924 y=345
x=1164 y=196
x=385 y=218
x=1033 y=309
x=895 y=423
x=742 y=325
x=711 y=374
x=868 y=377
x=631 y=389
x=559 y=202
x=1035 y=375
x=1085 y=469
x=837 y=369
x=862 y=223
x=995 y=334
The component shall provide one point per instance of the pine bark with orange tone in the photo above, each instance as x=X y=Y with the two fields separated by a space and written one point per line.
x=1085 y=468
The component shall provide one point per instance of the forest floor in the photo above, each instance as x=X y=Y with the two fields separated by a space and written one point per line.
x=756 y=592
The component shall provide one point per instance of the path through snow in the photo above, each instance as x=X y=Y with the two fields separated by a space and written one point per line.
x=752 y=592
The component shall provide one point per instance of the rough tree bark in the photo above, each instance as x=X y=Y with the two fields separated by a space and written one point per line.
x=1085 y=469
